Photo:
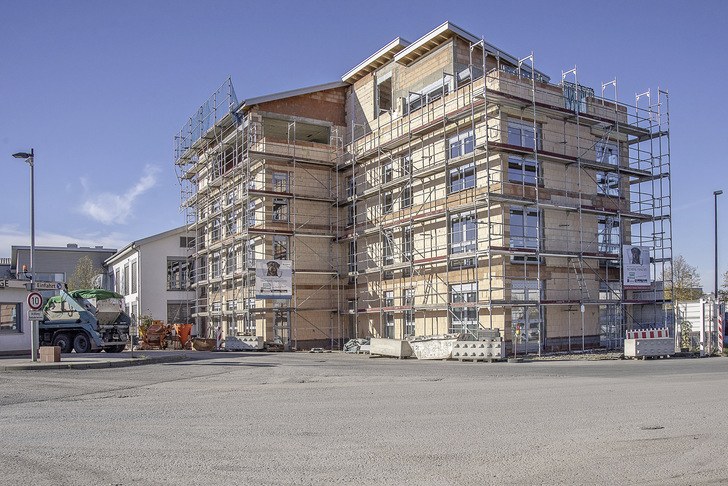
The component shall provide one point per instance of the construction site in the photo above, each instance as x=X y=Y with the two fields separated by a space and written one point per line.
x=441 y=186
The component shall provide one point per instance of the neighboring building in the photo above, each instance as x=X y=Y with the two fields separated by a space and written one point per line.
x=420 y=196
x=54 y=264
x=14 y=325
x=154 y=277
x=50 y=264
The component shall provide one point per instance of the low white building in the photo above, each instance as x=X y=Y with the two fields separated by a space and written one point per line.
x=15 y=327
x=154 y=276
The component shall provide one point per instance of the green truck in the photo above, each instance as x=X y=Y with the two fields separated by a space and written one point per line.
x=87 y=321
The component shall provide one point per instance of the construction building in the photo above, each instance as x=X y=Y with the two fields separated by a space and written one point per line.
x=441 y=186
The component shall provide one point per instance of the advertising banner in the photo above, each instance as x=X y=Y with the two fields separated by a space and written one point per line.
x=636 y=267
x=273 y=279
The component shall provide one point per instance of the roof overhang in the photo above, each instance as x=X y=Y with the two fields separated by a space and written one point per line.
x=432 y=40
x=443 y=33
x=376 y=60
x=290 y=94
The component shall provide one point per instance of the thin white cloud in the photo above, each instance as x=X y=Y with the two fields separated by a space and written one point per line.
x=12 y=235
x=110 y=208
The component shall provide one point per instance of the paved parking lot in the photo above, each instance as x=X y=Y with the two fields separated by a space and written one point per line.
x=302 y=418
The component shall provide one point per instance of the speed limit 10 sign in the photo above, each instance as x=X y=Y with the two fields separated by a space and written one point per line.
x=35 y=300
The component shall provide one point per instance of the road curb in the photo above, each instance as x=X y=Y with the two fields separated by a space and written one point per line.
x=142 y=360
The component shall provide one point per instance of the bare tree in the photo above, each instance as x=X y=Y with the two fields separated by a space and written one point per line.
x=84 y=275
x=682 y=281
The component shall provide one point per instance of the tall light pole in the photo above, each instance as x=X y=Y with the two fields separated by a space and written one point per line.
x=33 y=323
x=716 y=194
x=716 y=307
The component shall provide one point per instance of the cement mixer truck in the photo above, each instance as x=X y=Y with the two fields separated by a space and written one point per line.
x=87 y=321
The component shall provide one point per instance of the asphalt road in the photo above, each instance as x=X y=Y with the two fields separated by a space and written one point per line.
x=257 y=418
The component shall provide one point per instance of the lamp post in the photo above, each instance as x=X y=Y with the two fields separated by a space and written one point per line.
x=716 y=307
x=716 y=194
x=33 y=324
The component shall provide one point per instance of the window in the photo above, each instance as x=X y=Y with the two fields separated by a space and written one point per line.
x=126 y=280
x=280 y=210
x=406 y=196
x=524 y=227
x=384 y=95
x=522 y=170
x=352 y=256
x=201 y=237
x=409 y=314
x=230 y=261
x=462 y=177
x=608 y=234
x=521 y=133
x=215 y=231
x=387 y=172
x=202 y=269
x=215 y=207
x=463 y=237
x=464 y=319
x=427 y=95
x=133 y=277
x=280 y=181
x=389 y=325
x=215 y=265
x=407 y=244
x=387 y=203
x=280 y=247
x=350 y=186
x=117 y=281
x=388 y=253
x=249 y=322
x=231 y=197
x=608 y=183
x=607 y=153
x=389 y=316
x=405 y=165
x=186 y=241
x=351 y=211
x=9 y=318
x=525 y=318
x=250 y=253
x=575 y=97
x=461 y=143
x=250 y=210
x=232 y=222
x=178 y=313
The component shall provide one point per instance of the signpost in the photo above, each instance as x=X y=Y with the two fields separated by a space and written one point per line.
x=35 y=300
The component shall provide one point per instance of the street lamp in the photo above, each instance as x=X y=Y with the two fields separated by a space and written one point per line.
x=33 y=323
x=716 y=194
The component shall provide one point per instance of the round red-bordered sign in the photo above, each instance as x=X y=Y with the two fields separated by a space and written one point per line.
x=35 y=300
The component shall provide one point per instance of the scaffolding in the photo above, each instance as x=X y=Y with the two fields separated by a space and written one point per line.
x=504 y=200
x=258 y=185
x=490 y=198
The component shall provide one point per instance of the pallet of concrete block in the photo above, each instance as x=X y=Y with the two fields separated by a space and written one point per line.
x=396 y=348
x=486 y=350
x=244 y=343
x=648 y=348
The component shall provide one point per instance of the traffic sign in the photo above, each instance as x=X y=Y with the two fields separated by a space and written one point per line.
x=47 y=285
x=35 y=315
x=35 y=300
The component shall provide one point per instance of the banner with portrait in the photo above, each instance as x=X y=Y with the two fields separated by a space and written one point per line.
x=273 y=279
x=636 y=267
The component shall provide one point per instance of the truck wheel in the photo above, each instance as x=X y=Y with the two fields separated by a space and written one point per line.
x=64 y=341
x=81 y=343
x=115 y=349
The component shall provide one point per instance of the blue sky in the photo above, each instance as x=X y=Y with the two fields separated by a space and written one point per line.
x=99 y=89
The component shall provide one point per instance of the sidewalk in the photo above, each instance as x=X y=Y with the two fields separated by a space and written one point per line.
x=92 y=360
